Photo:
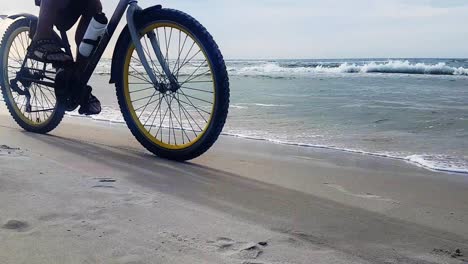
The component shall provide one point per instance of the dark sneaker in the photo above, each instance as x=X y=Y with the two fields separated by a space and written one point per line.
x=48 y=51
x=91 y=106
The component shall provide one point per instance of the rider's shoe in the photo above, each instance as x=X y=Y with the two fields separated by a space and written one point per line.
x=90 y=105
x=49 y=51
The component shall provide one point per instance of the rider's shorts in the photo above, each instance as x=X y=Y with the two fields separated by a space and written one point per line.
x=70 y=14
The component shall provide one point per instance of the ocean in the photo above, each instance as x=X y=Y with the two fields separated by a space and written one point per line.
x=415 y=110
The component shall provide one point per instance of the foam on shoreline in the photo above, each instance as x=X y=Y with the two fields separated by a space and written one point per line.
x=433 y=162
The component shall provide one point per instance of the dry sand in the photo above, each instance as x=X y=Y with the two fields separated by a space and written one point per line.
x=88 y=193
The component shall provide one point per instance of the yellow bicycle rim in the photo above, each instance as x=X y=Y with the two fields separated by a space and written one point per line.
x=153 y=138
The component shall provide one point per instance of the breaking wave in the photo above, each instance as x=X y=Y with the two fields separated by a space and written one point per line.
x=281 y=69
x=389 y=67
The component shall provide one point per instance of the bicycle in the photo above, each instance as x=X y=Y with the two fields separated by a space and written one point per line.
x=170 y=77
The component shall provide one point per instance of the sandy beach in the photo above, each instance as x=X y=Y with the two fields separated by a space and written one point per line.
x=88 y=193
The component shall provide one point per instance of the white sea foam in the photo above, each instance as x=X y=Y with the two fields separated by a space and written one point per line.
x=263 y=105
x=442 y=163
x=108 y=114
x=278 y=69
x=237 y=106
x=390 y=67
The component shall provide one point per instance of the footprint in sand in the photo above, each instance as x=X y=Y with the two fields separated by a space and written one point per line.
x=365 y=196
x=107 y=180
x=105 y=183
x=16 y=225
x=240 y=250
x=7 y=151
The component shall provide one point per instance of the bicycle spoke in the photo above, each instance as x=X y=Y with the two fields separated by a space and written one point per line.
x=161 y=123
x=200 y=82
x=185 y=58
x=195 y=77
x=139 y=108
x=170 y=120
x=189 y=60
x=156 y=107
x=45 y=106
x=42 y=104
x=139 y=78
x=196 y=98
x=47 y=98
x=13 y=45
x=154 y=93
x=181 y=121
x=23 y=44
x=180 y=53
x=167 y=41
x=144 y=89
x=191 y=117
x=34 y=98
x=142 y=76
x=195 y=89
x=196 y=69
x=196 y=108
x=146 y=97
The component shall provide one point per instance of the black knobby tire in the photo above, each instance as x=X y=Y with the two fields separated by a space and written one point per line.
x=55 y=118
x=220 y=109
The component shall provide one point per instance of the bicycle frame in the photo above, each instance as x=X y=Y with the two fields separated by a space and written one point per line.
x=132 y=7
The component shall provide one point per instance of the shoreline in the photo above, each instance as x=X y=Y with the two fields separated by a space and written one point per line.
x=414 y=159
x=407 y=159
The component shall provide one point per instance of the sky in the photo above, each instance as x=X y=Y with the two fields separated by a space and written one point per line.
x=306 y=29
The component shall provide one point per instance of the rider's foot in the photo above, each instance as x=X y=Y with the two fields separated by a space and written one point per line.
x=90 y=105
x=48 y=51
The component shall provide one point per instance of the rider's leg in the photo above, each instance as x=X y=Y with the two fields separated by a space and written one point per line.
x=47 y=18
x=64 y=14
x=90 y=105
x=92 y=8
x=45 y=46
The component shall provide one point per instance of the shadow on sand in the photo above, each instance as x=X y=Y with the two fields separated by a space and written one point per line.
x=371 y=236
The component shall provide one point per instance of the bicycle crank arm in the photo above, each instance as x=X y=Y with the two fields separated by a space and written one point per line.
x=33 y=80
x=14 y=86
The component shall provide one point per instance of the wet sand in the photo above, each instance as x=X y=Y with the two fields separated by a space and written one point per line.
x=88 y=193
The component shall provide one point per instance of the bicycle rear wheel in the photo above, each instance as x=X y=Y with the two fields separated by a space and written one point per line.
x=33 y=106
x=178 y=124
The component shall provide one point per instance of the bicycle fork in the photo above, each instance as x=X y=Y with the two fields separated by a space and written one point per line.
x=174 y=85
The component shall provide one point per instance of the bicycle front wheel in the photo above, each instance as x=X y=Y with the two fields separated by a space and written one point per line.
x=183 y=123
